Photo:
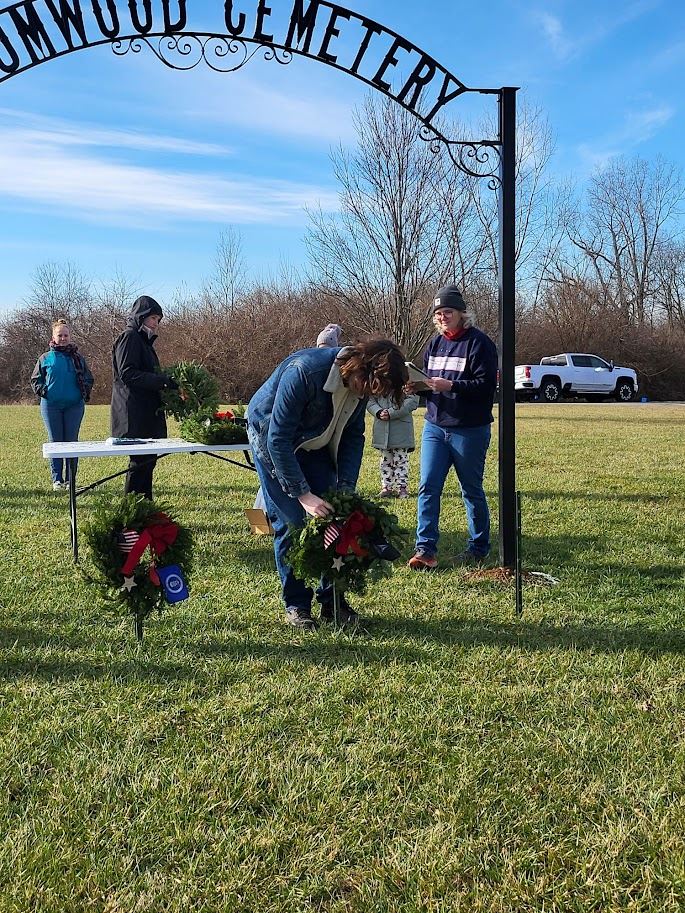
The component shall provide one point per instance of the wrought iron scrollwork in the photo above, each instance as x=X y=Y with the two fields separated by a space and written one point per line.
x=478 y=159
x=184 y=52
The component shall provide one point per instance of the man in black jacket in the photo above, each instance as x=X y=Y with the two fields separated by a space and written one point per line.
x=137 y=410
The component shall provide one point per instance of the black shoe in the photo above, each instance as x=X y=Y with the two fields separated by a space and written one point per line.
x=346 y=614
x=300 y=618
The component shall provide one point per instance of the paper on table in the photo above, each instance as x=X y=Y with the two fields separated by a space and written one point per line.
x=418 y=377
x=113 y=441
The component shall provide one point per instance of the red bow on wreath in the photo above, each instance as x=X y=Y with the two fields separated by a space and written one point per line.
x=356 y=525
x=159 y=535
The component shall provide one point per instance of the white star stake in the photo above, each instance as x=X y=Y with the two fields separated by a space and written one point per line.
x=337 y=563
x=129 y=583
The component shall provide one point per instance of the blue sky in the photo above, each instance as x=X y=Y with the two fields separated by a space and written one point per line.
x=120 y=164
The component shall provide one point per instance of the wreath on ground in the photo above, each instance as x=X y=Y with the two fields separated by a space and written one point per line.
x=142 y=555
x=207 y=427
x=355 y=545
x=198 y=390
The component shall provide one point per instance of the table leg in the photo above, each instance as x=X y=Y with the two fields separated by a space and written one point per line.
x=71 y=473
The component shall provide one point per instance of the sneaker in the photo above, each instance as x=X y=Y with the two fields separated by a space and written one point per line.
x=346 y=614
x=386 y=493
x=58 y=486
x=300 y=618
x=403 y=493
x=421 y=562
x=468 y=557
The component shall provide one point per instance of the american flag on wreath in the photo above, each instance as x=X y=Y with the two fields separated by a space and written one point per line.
x=126 y=539
x=331 y=533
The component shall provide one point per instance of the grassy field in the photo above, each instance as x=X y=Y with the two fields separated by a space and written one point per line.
x=450 y=758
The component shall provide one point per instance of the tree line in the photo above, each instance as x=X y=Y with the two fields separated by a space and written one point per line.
x=599 y=270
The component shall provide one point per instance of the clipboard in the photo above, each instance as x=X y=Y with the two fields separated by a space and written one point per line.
x=418 y=376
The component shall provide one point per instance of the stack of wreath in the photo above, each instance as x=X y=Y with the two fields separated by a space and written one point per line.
x=196 y=406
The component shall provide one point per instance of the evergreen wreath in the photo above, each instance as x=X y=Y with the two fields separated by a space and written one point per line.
x=200 y=389
x=207 y=427
x=355 y=545
x=111 y=534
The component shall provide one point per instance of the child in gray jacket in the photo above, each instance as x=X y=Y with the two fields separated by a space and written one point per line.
x=393 y=435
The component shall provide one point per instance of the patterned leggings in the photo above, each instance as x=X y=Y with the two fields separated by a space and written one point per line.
x=395 y=468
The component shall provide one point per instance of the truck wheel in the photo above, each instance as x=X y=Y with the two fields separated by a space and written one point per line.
x=624 y=392
x=550 y=391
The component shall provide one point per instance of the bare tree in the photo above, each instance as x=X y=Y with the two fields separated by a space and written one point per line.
x=410 y=221
x=670 y=274
x=387 y=248
x=59 y=290
x=543 y=211
x=225 y=286
x=630 y=218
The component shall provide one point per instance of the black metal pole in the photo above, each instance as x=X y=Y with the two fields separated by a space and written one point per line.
x=519 y=557
x=71 y=473
x=507 y=328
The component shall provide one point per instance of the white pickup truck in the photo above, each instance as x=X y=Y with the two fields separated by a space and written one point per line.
x=575 y=375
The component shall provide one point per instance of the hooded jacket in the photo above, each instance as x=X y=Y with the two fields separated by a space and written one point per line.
x=136 y=404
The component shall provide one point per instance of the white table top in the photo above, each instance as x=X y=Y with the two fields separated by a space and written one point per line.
x=153 y=446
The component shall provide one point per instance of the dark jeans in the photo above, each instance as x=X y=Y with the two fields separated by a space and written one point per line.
x=465 y=450
x=139 y=475
x=283 y=510
x=62 y=423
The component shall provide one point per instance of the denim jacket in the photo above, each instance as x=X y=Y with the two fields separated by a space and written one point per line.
x=291 y=408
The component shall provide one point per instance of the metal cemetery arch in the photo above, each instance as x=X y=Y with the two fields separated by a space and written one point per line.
x=35 y=31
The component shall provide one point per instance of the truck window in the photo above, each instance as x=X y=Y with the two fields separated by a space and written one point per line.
x=582 y=361
x=596 y=362
x=559 y=361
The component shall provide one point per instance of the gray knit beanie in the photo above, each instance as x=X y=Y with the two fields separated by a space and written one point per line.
x=329 y=336
x=449 y=297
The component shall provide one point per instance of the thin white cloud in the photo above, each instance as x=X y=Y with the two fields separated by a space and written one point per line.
x=567 y=44
x=298 y=102
x=638 y=126
x=669 y=56
x=38 y=128
x=39 y=170
x=553 y=31
x=309 y=118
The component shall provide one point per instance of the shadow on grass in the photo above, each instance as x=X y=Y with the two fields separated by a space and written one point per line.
x=46 y=497
x=381 y=642
x=533 y=637
x=592 y=497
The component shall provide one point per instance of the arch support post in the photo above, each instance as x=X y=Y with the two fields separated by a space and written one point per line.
x=507 y=328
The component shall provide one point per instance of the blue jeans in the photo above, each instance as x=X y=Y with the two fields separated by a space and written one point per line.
x=283 y=510
x=62 y=423
x=465 y=449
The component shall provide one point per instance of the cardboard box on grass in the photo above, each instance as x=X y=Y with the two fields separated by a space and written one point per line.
x=259 y=522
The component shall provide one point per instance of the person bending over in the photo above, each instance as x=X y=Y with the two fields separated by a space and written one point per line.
x=306 y=429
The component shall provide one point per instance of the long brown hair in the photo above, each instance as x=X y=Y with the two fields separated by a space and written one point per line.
x=381 y=363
